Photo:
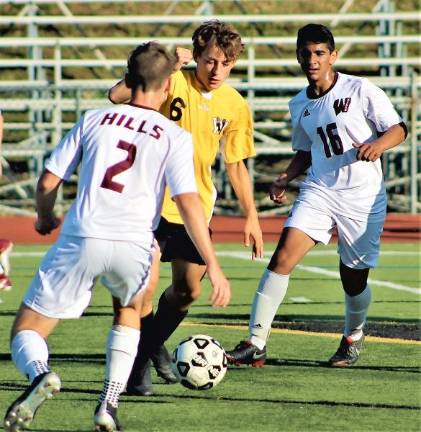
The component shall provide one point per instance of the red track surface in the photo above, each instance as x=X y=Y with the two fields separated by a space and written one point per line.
x=398 y=227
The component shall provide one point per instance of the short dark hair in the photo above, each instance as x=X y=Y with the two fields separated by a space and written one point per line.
x=316 y=33
x=148 y=66
x=223 y=35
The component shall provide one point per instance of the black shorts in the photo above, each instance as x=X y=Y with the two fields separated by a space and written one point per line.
x=175 y=243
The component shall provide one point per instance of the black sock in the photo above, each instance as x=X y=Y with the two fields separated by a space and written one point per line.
x=167 y=319
x=142 y=356
x=155 y=330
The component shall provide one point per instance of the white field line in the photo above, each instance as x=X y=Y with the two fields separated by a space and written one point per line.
x=333 y=274
x=310 y=269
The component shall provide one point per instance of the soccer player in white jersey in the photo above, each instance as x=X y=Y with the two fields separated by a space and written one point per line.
x=342 y=124
x=5 y=244
x=127 y=155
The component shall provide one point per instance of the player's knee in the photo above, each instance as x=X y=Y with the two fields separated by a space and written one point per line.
x=354 y=281
x=184 y=293
x=281 y=262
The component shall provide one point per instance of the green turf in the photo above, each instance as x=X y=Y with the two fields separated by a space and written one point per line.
x=294 y=392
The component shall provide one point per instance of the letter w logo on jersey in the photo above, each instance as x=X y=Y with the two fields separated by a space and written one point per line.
x=219 y=125
x=341 y=105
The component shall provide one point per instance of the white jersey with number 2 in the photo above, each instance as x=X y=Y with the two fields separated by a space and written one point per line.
x=352 y=111
x=128 y=154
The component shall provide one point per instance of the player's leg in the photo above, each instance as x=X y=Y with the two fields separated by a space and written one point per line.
x=126 y=277
x=304 y=227
x=292 y=246
x=122 y=343
x=30 y=355
x=140 y=382
x=6 y=247
x=160 y=357
x=175 y=300
x=187 y=271
x=358 y=246
x=5 y=250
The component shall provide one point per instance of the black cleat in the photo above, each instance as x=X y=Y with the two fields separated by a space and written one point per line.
x=161 y=360
x=245 y=353
x=105 y=418
x=21 y=413
x=347 y=353
x=140 y=382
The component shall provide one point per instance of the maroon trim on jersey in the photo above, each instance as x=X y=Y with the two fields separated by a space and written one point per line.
x=311 y=96
x=141 y=106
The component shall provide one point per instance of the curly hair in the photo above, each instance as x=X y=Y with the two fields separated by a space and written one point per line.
x=223 y=35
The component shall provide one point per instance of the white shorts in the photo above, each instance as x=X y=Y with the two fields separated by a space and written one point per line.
x=358 y=241
x=63 y=285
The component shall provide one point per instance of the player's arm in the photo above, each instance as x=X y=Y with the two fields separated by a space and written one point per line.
x=298 y=165
x=119 y=93
x=240 y=180
x=370 y=152
x=46 y=195
x=193 y=216
x=184 y=56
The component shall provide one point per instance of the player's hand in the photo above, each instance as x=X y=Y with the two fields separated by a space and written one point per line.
x=368 y=152
x=45 y=227
x=277 y=189
x=221 y=290
x=184 y=56
x=253 y=232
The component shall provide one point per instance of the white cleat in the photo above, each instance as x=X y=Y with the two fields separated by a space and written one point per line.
x=21 y=413
x=105 y=418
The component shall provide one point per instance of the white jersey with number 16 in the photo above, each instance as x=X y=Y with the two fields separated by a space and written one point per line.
x=352 y=111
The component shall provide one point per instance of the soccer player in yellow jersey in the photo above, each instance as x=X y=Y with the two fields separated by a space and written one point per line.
x=219 y=120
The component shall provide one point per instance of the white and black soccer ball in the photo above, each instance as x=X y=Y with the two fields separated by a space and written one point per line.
x=199 y=362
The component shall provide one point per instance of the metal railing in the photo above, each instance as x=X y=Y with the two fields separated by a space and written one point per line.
x=42 y=104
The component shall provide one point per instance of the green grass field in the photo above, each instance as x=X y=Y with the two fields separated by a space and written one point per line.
x=294 y=392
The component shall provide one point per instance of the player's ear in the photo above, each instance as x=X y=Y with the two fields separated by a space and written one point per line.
x=333 y=57
x=167 y=84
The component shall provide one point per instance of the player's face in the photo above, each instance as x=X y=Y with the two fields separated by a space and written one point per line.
x=316 y=61
x=213 y=68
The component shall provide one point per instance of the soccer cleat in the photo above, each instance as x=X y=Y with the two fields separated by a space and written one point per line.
x=20 y=414
x=5 y=283
x=161 y=360
x=245 y=353
x=6 y=247
x=140 y=382
x=105 y=418
x=347 y=353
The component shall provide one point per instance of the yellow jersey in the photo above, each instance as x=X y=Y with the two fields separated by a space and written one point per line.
x=219 y=120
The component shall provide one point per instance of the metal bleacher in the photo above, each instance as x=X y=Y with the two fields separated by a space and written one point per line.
x=59 y=58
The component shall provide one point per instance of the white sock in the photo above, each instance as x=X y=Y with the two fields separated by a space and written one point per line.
x=121 y=352
x=269 y=295
x=356 y=308
x=30 y=353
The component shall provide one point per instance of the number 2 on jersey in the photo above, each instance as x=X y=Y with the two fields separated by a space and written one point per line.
x=334 y=140
x=119 y=167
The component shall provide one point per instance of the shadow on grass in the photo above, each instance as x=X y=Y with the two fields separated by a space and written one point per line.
x=157 y=399
x=325 y=364
x=286 y=401
x=74 y=358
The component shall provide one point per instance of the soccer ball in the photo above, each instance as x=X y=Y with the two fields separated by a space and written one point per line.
x=199 y=362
